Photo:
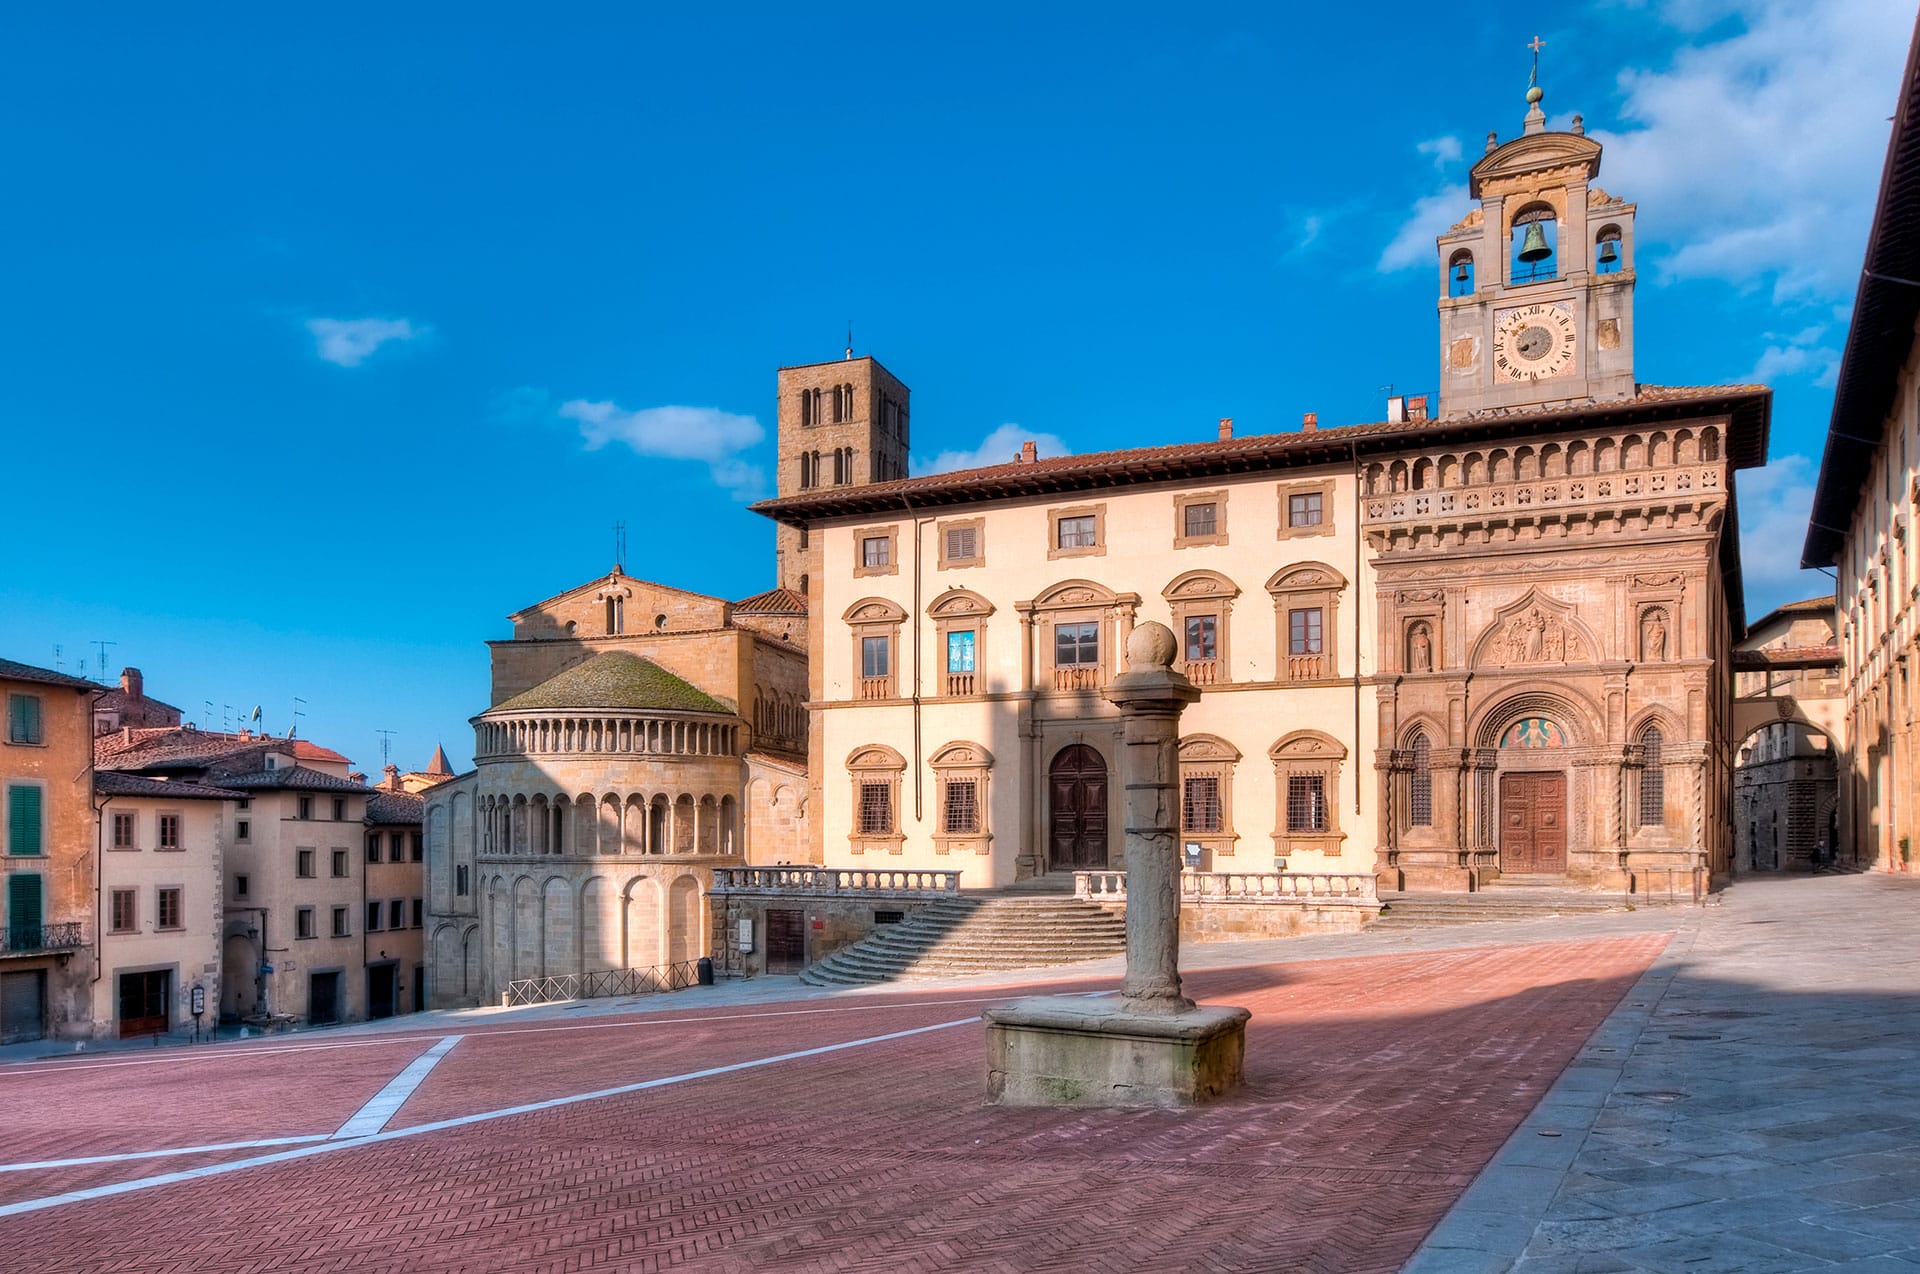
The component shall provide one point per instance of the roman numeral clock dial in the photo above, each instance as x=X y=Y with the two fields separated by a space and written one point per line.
x=1532 y=342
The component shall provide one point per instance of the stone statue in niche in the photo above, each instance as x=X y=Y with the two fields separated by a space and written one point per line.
x=1653 y=635
x=1419 y=648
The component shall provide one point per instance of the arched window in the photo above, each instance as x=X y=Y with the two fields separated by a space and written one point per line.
x=1420 y=782
x=1532 y=244
x=1460 y=274
x=1653 y=779
x=616 y=615
x=1607 y=256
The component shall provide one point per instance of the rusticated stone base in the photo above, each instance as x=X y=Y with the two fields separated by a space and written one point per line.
x=1072 y=1051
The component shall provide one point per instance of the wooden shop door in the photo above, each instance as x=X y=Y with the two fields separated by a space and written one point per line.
x=786 y=940
x=1533 y=823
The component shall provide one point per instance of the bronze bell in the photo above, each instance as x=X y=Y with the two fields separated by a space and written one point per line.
x=1534 y=246
x=1609 y=251
x=1460 y=274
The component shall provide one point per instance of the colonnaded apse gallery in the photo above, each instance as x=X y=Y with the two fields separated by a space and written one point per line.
x=1483 y=640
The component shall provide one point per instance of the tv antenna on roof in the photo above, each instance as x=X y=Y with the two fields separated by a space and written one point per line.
x=849 y=338
x=294 y=729
x=619 y=545
x=103 y=654
x=57 y=665
x=386 y=746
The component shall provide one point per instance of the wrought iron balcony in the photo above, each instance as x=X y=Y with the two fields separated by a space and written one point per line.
x=32 y=940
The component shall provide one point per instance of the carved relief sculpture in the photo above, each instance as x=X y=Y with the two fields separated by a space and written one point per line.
x=1653 y=635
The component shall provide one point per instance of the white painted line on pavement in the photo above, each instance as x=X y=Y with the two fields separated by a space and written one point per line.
x=462 y=1121
x=373 y=1116
x=161 y=1154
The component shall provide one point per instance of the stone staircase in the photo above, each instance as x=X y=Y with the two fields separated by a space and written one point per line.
x=1532 y=900
x=977 y=933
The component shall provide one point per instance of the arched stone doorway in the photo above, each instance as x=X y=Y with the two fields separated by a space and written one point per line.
x=1785 y=794
x=1077 y=809
x=1532 y=798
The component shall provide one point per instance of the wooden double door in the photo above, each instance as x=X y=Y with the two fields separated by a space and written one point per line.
x=144 y=1003
x=1077 y=809
x=1533 y=822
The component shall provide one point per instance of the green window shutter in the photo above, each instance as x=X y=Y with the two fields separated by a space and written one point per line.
x=23 y=719
x=23 y=907
x=23 y=820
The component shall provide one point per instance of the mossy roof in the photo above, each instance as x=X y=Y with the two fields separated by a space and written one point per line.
x=616 y=679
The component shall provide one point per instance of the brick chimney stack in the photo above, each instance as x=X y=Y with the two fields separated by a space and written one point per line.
x=1309 y=422
x=1029 y=452
x=1226 y=428
x=1417 y=407
x=131 y=683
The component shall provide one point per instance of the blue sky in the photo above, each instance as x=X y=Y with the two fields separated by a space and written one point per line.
x=334 y=335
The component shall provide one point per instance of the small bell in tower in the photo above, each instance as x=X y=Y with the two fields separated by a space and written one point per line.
x=1609 y=252
x=1460 y=274
x=1534 y=246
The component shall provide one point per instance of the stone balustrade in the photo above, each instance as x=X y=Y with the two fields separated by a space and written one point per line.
x=1202 y=887
x=605 y=733
x=836 y=882
x=1514 y=498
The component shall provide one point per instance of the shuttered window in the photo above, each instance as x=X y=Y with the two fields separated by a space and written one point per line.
x=24 y=913
x=23 y=719
x=23 y=820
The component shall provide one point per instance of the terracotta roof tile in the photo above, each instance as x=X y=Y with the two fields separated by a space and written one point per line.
x=775 y=601
x=12 y=671
x=291 y=778
x=390 y=808
x=115 y=783
x=615 y=679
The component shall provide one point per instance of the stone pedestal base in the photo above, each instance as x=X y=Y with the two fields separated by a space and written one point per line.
x=1072 y=1051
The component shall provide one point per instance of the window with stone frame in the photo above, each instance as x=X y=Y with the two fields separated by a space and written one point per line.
x=1077 y=531
x=1306 y=604
x=1206 y=794
x=1419 y=780
x=875 y=772
x=960 y=628
x=342 y=923
x=373 y=917
x=962 y=543
x=1202 y=606
x=303 y=922
x=1651 y=806
x=1306 y=770
x=1306 y=509
x=124 y=834
x=1075 y=625
x=1199 y=519
x=876 y=551
x=961 y=771
x=874 y=625
x=124 y=911
x=167 y=831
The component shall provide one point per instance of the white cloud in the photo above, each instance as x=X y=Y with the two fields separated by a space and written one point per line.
x=1775 y=503
x=1796 y=358
x=998 y=447
x=350 y=342
x=705 y=434
x=1755 y=156
x=1443 y=150
x=1431 y=217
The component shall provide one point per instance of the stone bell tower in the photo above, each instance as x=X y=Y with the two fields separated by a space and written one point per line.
x=842 y=423
x=1536 y=283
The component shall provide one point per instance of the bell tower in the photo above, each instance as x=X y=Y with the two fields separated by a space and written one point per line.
x=842 y=423
x=1536 y=282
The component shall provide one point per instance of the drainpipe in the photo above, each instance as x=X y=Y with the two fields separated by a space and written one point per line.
x=913 y=627
x=99 y=853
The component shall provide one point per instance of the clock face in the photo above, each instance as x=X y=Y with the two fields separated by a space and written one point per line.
x=1532 y=342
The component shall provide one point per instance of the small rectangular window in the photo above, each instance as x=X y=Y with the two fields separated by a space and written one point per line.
x=1303 y=509
x=875 y=550
x=1306 y=803
x=168 y=911
x=243 y=830
x=1200 y=519
x=1304 y=631
x=1076 y=645
x=373 y=917
x=876 y=808
x=242 y=886
x=303 y=864
x=419 y=912
x=23 y=820
x=417 y=846
x=303 y=923
x=23 y=719
x=1202 y=636
x=244 y=803
x=342 y=927
x=123 y=829
x=339 y=864
x=962 y=543
x=1077 y=533
x=303 y=807
x=339 y=809
x=396 y=846
x=1200 y=808
x=125 y=910
x=961 y=815
x=397 y=914
x=462 y=881
x=373 y=847
x=874 y=656
x=960 y=651
x=169 y=831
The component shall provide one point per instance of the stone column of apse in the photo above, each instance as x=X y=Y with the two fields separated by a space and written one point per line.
x=1151 y=697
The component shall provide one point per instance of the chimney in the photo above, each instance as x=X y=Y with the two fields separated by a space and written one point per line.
x=131 y=683
x=1396 y=409
x=1226 y=428
x=1029 y=452
x=392 y=780
x=1309 y=422
x=1417 y=407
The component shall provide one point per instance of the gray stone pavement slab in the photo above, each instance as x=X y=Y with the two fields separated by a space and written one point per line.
x=1753 y=1104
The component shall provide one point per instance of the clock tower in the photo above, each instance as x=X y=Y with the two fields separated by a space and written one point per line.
x=1536 y=282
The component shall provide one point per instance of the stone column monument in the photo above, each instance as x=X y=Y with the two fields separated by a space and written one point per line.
x=1152 y=1046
